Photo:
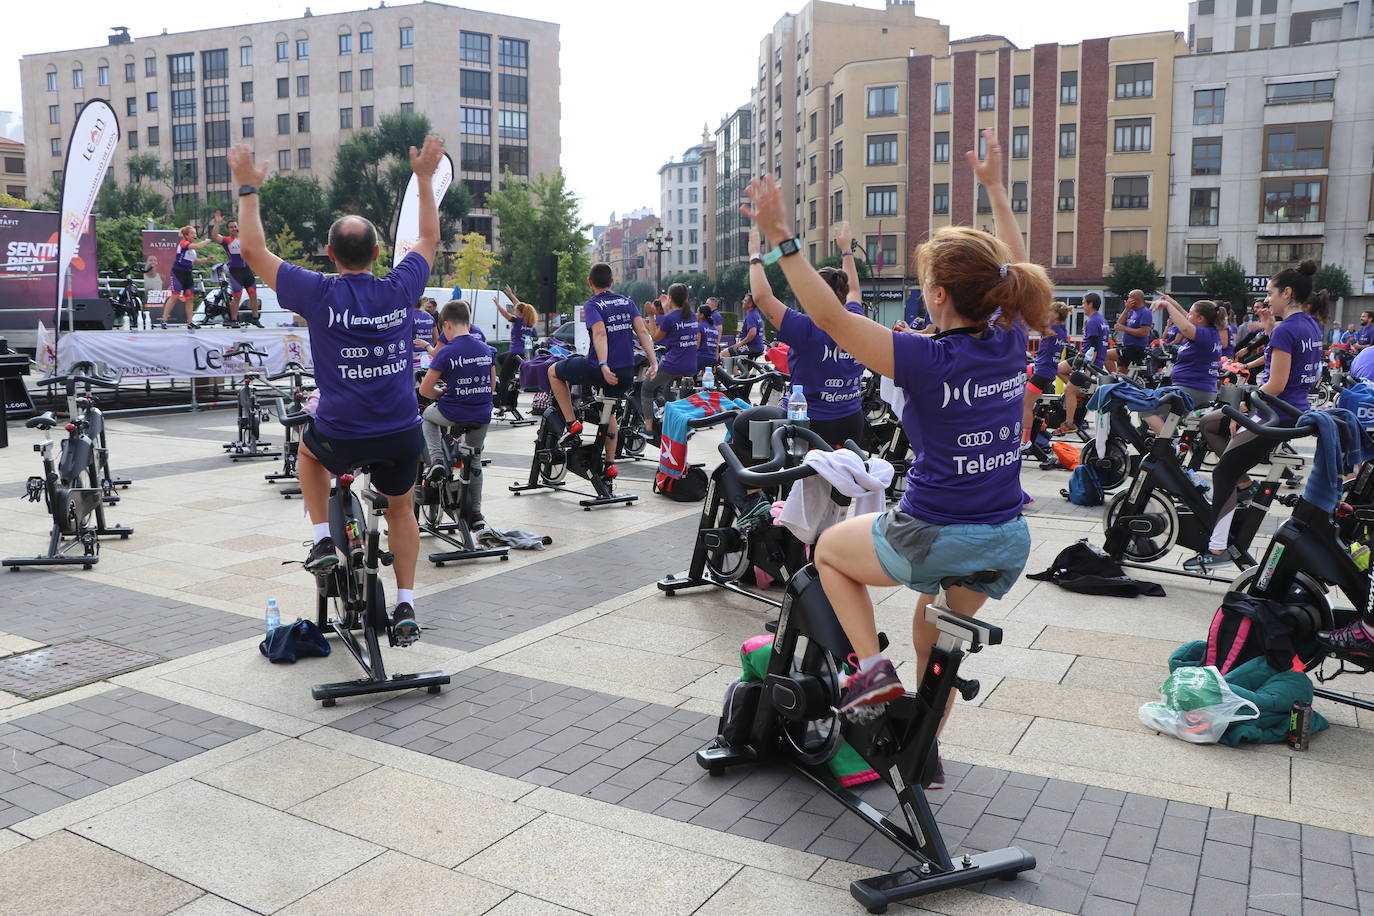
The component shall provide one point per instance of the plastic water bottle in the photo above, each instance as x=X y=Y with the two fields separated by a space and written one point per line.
x=1198 y=480
x=273 y=617
x=796 y=405
x=708 y=378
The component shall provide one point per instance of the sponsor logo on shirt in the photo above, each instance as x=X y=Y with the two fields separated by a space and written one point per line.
x=347 y=319
x=361 y=372
x=352 y=352
x=970 y=391
x=973 y=440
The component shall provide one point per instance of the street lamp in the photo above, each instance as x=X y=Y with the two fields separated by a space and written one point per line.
x=659 y=240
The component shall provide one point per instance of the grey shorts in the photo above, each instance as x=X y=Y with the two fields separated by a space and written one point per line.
x=918 y=554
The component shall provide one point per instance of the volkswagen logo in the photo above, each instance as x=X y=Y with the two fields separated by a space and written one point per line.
x=969 y=440
x=353 y=352
x=377 y=351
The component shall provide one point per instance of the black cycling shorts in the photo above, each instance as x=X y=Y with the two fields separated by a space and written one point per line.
x=400 y=451
x=1127 y=355
x=836 y=431
x=244 y=277
x=580 y=370
x=1042 y=383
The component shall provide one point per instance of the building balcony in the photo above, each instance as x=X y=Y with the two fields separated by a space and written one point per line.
x=1291 y=230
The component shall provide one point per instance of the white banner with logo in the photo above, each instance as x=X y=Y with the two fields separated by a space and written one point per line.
x=408 y=223
x=178 y=354
x=89 y=151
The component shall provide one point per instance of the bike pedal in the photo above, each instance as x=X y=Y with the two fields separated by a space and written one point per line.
x=864 y=715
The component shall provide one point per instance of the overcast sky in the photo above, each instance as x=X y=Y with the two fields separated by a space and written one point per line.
x=660 y=70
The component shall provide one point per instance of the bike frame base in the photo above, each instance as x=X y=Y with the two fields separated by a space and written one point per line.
x=682 y=583
x=512 y=416
x=15 y=562
x=237 y=450
x=592 y=499
x=876 y=893
x=464 y=548
x=1188 y=574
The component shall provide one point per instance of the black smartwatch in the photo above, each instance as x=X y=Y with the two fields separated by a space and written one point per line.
x=785 y=247
x=246 y=189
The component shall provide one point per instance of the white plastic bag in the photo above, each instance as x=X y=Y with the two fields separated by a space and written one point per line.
x=1198 y=706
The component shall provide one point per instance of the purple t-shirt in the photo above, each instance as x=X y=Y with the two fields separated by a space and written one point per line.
x=679 y=342
x=1095 y=333
x=1298 y=335
x=1198 y=359
x=521 y=335
x=424 y=328
x=618 y=314
x=1365 y=335
x=828 y=376
x=1229 y=350
x=1050 y=349
x=964 y=404
x=1137 y=318
x=361 y=333
x=465 y=366
x=753 y=320
x=710 y=338
x=234 y=248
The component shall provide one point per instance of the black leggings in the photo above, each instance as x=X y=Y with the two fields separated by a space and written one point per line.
x=834 y=432
x=1239 y=454
x=510 y=363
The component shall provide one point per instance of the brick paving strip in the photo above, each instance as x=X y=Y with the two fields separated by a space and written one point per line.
x=1098 y=851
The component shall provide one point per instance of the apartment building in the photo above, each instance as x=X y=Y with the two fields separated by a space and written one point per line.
x=1272 y=139
x=734 y=166
x=13 y=171
x=686 y=187
x=297 y=88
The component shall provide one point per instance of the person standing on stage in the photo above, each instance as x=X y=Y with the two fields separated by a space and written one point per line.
x=240 y=274
x=183 y=281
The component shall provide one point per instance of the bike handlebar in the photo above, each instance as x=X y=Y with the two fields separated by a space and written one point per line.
x=296 y=419
x=291 y=369
x=244 y=349
x=77 y=378
x=772 y=472
x=714 y=419
x=1279 y=433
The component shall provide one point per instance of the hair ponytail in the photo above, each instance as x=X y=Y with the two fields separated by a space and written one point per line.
x=972 y=267
x=1023 y=295
x=1319 y=305
x=677 y=293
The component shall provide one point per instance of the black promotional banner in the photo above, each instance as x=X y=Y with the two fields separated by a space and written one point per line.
x=28 y=279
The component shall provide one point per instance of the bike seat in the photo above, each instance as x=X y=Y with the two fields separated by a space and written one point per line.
x=42 y=421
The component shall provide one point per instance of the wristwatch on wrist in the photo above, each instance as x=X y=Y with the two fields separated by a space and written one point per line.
x=846 y=254
x=246 y=189
x=785 y=247
x=755 y=259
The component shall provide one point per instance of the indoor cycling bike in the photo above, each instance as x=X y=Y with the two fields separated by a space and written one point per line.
x=251 y=415
x=128 y=301
x=552 y=460
x=88 y=376
x=795 y=719
x=451 y=498
x=353 y=591
x=288 y=403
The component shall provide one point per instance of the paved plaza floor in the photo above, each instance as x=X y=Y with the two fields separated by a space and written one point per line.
x=556 y=773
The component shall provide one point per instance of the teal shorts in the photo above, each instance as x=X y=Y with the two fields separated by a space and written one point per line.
x=918 y=554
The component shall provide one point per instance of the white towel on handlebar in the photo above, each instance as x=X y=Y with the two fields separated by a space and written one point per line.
x=809 y=510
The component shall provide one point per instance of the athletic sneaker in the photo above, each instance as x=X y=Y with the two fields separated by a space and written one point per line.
x=255 y=322
x=192 y=326
x=476 y=522
x=1207 y=560
x=868 y=692
x=436 y=473
x=612 y=472
x=572 y=436
x=322 y=557
x=403 y=625
x=1350 y=643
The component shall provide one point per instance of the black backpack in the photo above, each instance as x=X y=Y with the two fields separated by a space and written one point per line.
x=689 y=488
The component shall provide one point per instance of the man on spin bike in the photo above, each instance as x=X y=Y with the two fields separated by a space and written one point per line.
x=614 y=323
x=361 y=331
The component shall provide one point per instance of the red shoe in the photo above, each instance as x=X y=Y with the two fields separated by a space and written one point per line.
x=572 y=435
x=611 y=472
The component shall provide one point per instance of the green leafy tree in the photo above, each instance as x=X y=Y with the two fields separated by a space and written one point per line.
x=1224 y=281
x=133 y=199
x=50 y=198
x=699 y=286
x=371 y=170
x=540 y=217
x=573 y=267
x=731 y=285
x=637 y=291
x=1333 y=279
x=289 y=248
x=119 y=240
x=1134 y=271
x=474 y=261
x=297 y=203
x=144 y=167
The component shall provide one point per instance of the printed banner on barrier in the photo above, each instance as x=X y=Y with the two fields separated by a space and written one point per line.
x=177 y=354
x=28 y=273
x=92 y=145
x=159 y=250
x=408 y=222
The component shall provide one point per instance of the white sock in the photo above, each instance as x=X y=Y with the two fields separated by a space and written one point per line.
x=320 y=531
x=405 y=596
x=868 y=664
x=1221 y=533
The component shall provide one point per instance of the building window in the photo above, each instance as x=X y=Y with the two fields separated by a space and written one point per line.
x=283 y=124
x=941 y=146
x=365 y=116
x=1068 y=140
x=245 y=91
x=303 y=158
x=515 y=159
x=1067 y=201
x=811 y=173
x=1204 y=206
x=216 y=99
x=102 y=75
x=184 y=172
x=133 y=139
x=1068 y=87
x=811 y=213
x=1369 y=259
x=283 y=54
x=476 y=157
x=303 y=122
x=55 y=146
x=1020 y=91
x=54 y=114
x=131 y=106
x=939 y=198
x=476 y=121
x=216 y=134
x=407 y=74
x=216 y=170
x=836 y=157
x=942 y=97
x=154 y=136
x=880 y=200
x=76 y=109
x=365 y=80
x=302 y=86
x=1303 y=91
x=882 y=149
x=246 y=127
x=1063 y=249
x=182 y=68
x=1018 y=196
x=1207 y=156
x=215 y=64
x=365 y=42
x=1266 y=35
x=1131 y=193
x=987 y=93
x=345 y=80
x=515 y=52
x=984 y=202
x=183 y=103
x=1123 y=242
x=1198 y=257
x=837 y=206
x=302 y=49
x=283 y=87
x=346 y=43
x=1135 y=81
x=474 y=47
x=407 y=36
x=882 y=101
x=1209 y=106
x=475 y=84
x=183 y=137
x=149 y=67
x=982 y=147
x=1132 y=135
x=246 y=56
x=515 y=88
x=283 y=160
x=1242 y=39
x=837 y=112
x=1296 y=146
x=478 y=190
x=129 y=72
x=52 y=81
x=345 y=118
x=692 y=218
x=1020 y=143
x=882 y=248
x=1272 y=257
x=1206 y=7
x=812 y=129
x=78 y=78
x=150 y=101
x=1288 y=201
x=515 y=125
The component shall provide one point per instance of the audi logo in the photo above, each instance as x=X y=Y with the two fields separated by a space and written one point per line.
x=353 y=352
x=969 y=440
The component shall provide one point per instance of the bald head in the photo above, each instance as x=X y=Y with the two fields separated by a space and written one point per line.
x=1137 y=296
x=353 y=242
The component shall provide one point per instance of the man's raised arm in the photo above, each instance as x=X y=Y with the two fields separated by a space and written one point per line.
x=252 y=238
x=423 y=164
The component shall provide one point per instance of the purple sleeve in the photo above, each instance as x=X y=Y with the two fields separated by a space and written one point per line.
x=591 y=314
x=916 y=361
x=300 y=290
x=796 y=328
x=410 y=275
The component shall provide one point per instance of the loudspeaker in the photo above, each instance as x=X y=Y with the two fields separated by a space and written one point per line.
x=548 y=283
x=91 y=315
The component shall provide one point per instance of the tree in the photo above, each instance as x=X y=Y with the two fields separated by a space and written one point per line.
x=144 y=165
x=539 y=217
x=298 y=203
x=636 y=291
x=133 y=199
x=732 y=283
x=1333 y=279
x=473 y=261
x=119 y=240
x=1134 y=271
x=13 y=203
x=50 y=198
x=289 y=248
x=371 y=170
x=1224 y=281
x=699 y=286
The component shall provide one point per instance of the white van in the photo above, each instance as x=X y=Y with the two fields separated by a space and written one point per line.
x=484 y=312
